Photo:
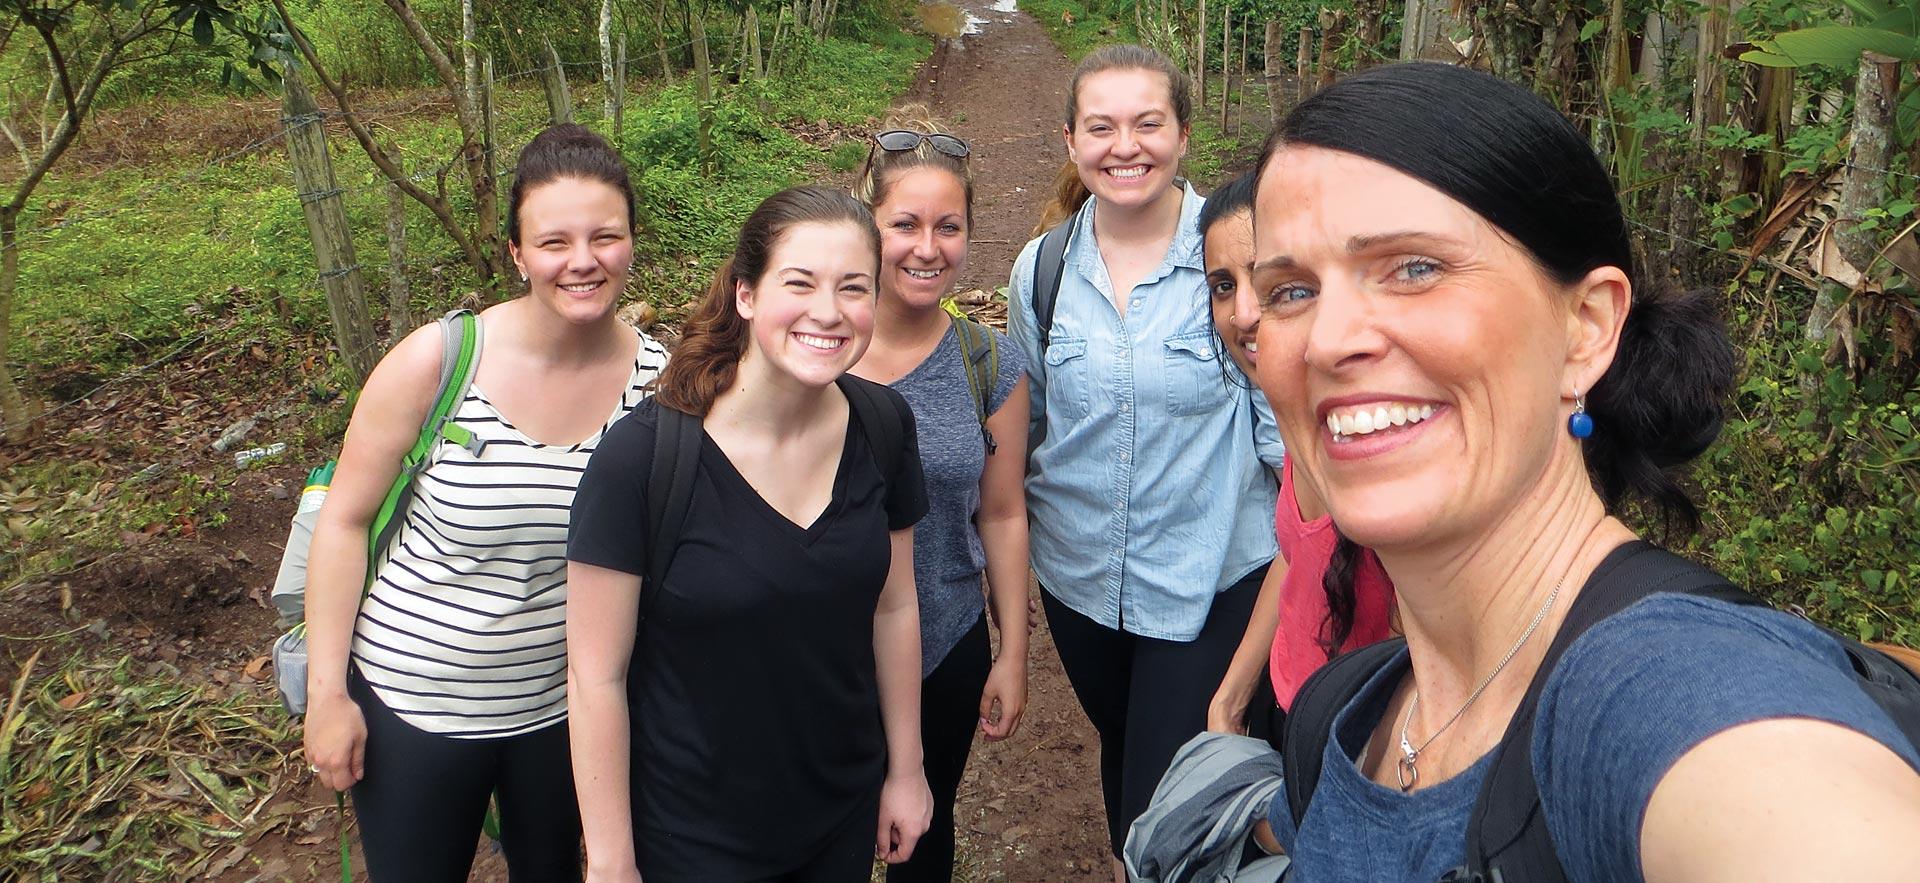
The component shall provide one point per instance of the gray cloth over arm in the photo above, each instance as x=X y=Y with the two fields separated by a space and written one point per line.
x=1203 y=813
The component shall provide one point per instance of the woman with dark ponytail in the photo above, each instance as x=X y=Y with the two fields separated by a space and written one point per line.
x=1329 y=595
x=1462 y=356
x=762 y=723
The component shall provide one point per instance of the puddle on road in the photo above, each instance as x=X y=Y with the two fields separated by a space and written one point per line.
x=947 y=21
x=1006 y=5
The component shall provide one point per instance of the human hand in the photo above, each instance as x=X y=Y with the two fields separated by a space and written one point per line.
x=1227 y=713
x=1004 y=699
x=336 y=740
x=906 y=811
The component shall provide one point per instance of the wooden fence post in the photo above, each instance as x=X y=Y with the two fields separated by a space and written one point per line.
x=554 y=78
x=327 y=222
x=1200 y=59
x=1332 y=24
x=489 y=119
x=620 y=95
x=1226 y=65
x=1303 y=67
x=1270 y=70
x=399 y=306
x=703 y=91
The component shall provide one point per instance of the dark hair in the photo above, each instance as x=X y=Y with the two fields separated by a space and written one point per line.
x=1505 y=153
x=1231 y=199
x=715 y=336
x=884 y=167
x=567 y=150
x=1070 y=192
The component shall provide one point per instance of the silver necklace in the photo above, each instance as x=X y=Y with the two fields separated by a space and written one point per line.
x=1406 y=771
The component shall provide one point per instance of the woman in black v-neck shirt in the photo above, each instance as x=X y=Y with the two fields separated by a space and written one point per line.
x=763 y=722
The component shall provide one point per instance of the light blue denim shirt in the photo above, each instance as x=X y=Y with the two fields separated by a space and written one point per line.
x=1149 y=493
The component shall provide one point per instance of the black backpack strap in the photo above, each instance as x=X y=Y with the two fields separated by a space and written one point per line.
x=1507 y=829
x=982 y=356
x=1309 y=722
x=1048 y=267
x=878 y=409
x=676 y=455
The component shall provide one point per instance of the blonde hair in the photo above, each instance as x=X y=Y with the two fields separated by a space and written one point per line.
x=884 y=167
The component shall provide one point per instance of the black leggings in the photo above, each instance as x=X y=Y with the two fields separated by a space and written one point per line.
x=846 y=856
x=949 y=714
x=423 y=797
x=1146 y=697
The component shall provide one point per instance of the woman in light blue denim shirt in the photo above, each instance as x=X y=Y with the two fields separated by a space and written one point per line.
x=1150 y=493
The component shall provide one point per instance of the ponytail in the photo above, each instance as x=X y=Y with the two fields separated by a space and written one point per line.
x=1662 y=401
x=1069 y=194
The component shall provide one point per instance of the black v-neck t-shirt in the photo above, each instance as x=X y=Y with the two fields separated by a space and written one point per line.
x=754 y=707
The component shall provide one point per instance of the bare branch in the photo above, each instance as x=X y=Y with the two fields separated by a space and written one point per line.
x=26 y=156
x=441 y=209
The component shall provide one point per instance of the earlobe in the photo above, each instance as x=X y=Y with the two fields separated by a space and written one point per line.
x=1597 y=314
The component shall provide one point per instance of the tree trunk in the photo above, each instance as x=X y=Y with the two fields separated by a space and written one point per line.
x=469 y=51
x=1614 y=74
x=1270 y=71
x=1332 y=24
x=1875 y=98
x=1709 y=79
x=20 y=417
x=703 y=90
x=327 y=221
x=399 y=306
x=606 y=56
x=489 y=121
x=553 y=77
x=660 y=40
x=1200 y=59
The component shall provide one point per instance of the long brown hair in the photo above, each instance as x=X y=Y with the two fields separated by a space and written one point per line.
x=707 y=358
x=884 y=167
x=1070 y=193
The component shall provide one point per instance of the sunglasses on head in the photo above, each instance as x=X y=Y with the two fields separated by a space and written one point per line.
x=897 y=140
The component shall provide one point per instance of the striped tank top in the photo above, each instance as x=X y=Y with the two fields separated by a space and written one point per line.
x=463 y=633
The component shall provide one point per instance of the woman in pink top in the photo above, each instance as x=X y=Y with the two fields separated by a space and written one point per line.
x=1333 y=596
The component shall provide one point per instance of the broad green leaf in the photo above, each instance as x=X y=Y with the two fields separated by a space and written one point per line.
x=1831 y=45
x=1590 y=28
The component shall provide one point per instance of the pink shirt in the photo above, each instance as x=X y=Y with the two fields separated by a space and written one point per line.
x=1298 y=643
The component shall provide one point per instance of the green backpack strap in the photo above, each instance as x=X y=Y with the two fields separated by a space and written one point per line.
x=982 y=355
x=459 y=357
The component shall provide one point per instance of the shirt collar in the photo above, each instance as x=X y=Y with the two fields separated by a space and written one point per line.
x=1187 y=241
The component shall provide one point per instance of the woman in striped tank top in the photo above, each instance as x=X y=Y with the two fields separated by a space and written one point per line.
x=449 y=682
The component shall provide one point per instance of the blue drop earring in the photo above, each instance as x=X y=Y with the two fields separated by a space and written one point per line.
x=1580 y=423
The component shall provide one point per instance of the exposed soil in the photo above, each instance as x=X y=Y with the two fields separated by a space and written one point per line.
x=192 y=598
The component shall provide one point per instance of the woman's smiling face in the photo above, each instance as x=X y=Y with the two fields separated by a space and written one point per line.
x=811 y=312
x=1125 y=138
x=1229 y=263
x=1414 y=356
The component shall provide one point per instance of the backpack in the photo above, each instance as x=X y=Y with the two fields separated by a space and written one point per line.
x=982 y=354
x=459 y=356
x=1507 y=839
x=1048 y=266
x=676 y=457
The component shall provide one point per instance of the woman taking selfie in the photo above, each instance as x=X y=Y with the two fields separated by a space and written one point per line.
x=1461 y=352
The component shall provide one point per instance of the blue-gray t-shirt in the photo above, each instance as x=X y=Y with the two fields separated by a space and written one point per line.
x=947 y=556
x=1628 y=699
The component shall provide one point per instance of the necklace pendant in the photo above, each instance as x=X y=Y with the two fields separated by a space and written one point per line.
x=1408 y=774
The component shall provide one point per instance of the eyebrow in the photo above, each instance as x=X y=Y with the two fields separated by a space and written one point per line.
x=1357 y=244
